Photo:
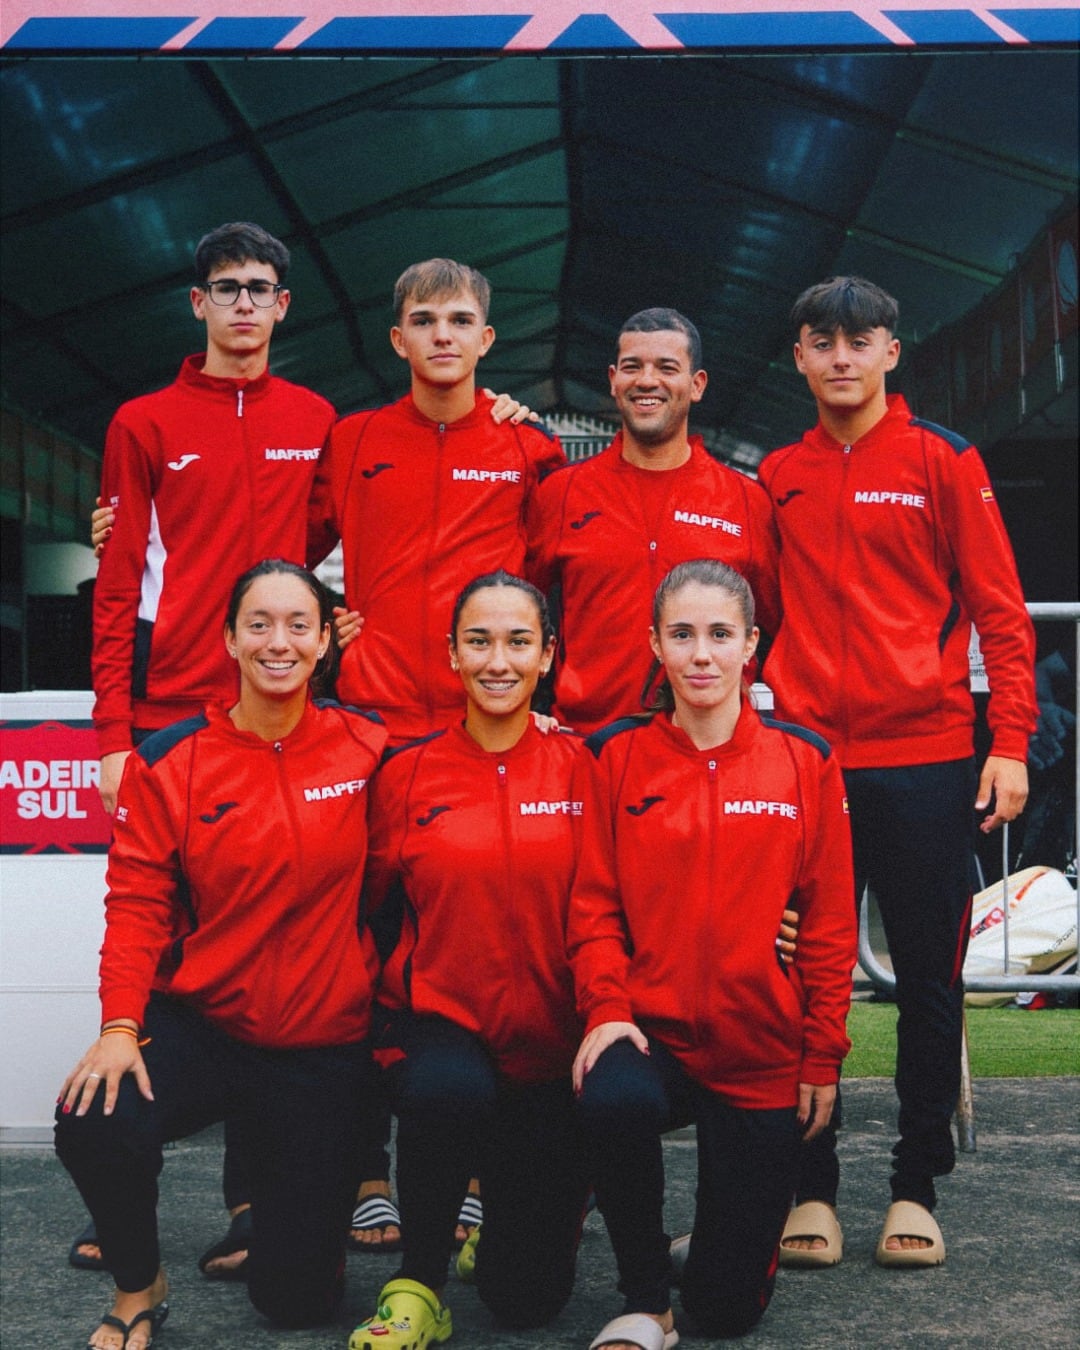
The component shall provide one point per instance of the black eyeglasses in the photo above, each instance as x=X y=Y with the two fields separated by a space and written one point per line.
x=263 y=294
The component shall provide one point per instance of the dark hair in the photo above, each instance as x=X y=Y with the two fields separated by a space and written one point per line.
x=238 y=242
x=664 y=321
x=702 y=572
x=490 y=580
x=844 y=304
x=439 y=277
x=322 y=677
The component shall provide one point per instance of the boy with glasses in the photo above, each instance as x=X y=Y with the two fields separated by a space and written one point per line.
x=206 y=477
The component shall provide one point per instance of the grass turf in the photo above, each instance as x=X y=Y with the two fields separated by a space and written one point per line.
x=1005 y=1042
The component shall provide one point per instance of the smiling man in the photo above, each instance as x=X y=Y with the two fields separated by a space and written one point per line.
x=607 y=529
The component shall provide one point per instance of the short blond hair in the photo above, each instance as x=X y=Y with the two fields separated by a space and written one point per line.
x=439 y=277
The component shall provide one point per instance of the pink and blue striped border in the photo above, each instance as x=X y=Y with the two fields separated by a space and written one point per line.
x=414 y=26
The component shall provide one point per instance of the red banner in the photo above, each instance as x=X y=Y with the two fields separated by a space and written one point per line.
x=49 y=799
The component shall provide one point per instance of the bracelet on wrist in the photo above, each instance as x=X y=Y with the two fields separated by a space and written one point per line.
x=126 y=1031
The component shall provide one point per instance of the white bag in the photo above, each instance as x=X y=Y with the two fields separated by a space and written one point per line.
x=1042 y=929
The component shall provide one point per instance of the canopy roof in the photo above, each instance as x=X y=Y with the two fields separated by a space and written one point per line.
x=585 y=189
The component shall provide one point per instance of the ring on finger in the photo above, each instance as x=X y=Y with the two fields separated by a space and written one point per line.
x=93 y=1075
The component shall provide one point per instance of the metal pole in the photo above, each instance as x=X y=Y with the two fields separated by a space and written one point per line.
x=1005 y=898
x=965 y=1106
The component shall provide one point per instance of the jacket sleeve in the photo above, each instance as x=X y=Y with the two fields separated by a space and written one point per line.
x=989 y=589
x=826 y=947
x=323 y=527
x=384 y=894
x=546 y=453
x=543 y=514
x=387 y=806
x=764 y=571
x=127 y=483
x=144 y=882
x=597 y=943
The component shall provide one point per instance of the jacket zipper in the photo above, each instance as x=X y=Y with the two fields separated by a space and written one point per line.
x=843 y=569
x=284 y=787
x=431 y=657
x=708 y=971
x=514 y=953
x=254 y=504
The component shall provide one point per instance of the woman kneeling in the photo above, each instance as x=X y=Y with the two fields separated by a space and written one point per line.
x=700 y=823
x=234 y=978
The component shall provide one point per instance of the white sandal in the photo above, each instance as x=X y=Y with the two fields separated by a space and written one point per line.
x=636 y=1329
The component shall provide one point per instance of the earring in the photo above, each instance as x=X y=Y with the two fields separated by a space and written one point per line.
x=232 y=652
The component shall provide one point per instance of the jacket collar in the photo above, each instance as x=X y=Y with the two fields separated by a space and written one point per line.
x=897 y=414
x=481 y=410
x=191 y=374
x=746 y=729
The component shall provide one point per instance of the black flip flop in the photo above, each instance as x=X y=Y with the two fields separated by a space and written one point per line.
x=155 y=1316
x=237 y=1239
x=79 y=1259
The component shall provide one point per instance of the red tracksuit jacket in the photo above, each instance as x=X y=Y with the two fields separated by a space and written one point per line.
x=687 y=860
x=482 y=846
x=235 y=877
x=609 y=532
x=890 y=549
x=422 y=508
x=209 y=476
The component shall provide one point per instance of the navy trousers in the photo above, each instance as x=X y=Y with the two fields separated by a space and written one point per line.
x=300 y=1113
x=747 y=1162
x=456 y=1112
x=912 y=834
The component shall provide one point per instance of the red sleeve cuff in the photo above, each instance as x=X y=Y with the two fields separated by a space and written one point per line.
x=113 y=737
x=609 y=1012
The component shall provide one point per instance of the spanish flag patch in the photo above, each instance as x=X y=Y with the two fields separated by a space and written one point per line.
x=987 y=494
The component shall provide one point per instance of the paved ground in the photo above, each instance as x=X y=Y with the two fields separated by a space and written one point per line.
x=1009 y=1215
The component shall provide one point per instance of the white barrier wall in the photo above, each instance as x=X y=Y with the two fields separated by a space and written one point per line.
x=53 y=836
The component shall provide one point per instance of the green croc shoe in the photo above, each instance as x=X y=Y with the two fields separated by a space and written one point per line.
x=409 y=1317
x=465 y=1265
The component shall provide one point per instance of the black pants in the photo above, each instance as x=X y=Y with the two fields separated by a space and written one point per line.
x=747 y=1162
x=300 y=1114
x=456 y=1112
x=912 y=831
x=373 y=1162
